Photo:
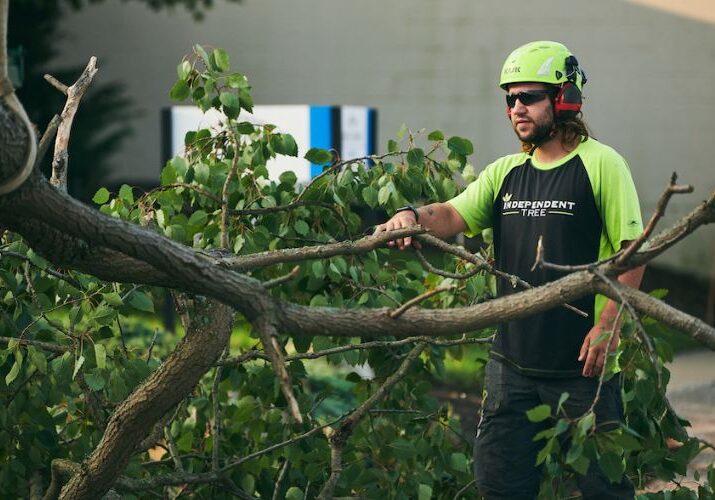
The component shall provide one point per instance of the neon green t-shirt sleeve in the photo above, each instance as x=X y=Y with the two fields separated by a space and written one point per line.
x=619 y=206
x=476 y=203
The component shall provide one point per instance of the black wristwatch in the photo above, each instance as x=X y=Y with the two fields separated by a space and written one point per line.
x=411 y=209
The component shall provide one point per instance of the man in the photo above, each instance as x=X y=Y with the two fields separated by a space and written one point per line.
x=579 y=196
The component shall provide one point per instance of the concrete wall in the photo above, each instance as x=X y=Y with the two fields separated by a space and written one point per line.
x=435 y=65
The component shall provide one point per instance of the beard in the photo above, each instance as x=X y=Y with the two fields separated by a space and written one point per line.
x=542 y=132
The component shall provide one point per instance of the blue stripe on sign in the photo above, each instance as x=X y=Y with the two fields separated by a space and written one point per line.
x=319 y=133
x=371 y=124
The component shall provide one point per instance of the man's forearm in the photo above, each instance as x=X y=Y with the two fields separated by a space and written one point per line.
x=441 y=219
x=631 y=278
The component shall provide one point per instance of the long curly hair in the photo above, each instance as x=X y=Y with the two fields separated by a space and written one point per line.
x=573 y=130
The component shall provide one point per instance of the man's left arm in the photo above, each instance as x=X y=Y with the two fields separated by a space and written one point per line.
x=595 y=352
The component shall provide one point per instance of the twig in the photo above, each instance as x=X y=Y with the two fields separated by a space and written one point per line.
x=396 y=313
x=282 y=444
x=377 y=344
x=216 y=424
x=357 y=247
x=46 y=346
x=341 y=435
x=602 y=375
x=56 y=84
x=282 y=279
x=74 y=95
x=645 y=339
x=46 y=139
x=280 y=480
x=660 y=206
x=463 y=490
x=51 y=272
x=151 y=345
x=460 y=252
x=121 y=338
x=171 y=445
x=267 y=333
x=439 y=272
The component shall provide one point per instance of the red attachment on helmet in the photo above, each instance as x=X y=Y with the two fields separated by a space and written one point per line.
x=567 y=102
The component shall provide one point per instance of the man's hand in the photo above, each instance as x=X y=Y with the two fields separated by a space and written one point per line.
x=400 y=220
x=595 y=349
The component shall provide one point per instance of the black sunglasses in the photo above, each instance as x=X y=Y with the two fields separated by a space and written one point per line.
x=528 y=97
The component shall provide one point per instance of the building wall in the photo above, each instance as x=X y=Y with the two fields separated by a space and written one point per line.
x=434 y=65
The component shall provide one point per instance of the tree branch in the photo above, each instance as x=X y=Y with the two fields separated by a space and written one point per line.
x=18 y=143
x=396 y=313
x=74 y=95
x=659 y=310
x=341 y=435
x=358 y=247
x=660 y=206
x=282 y=279
x=267 y=332
x=46 y=346
x=514 y=281
x=376 y=344
x=134 y=418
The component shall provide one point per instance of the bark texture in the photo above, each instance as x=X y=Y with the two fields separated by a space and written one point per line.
x=207 y=336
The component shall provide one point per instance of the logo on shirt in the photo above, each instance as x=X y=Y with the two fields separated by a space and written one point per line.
x=536 y=208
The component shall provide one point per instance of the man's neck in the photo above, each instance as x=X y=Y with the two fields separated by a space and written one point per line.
x=552 y=150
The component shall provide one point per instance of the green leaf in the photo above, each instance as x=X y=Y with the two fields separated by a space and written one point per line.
x=231 y=104
x=424 y=492
x=369 y=194
x=78 y=362
x=202 y=54
x=237 y=80
x=125 y=193
x=245 y=128
x=391 y=146
x=284 y=144
x=100 y=354
x=201 y=173
x=562 y=400
x=318 y=270
x=403 y=449
x=15 y=370
x=141 y=301
x=460 y=145
x=383 y=195
x=288 y=177
x=416 y=157
x=435 y=135
x=101 y=196
x=458 y=461
x=198 y=218
x=294 y=493
x=113 y=299
x=301 y=227
x=612 y=465
x=38 y=359
x=586 y=424
x=104 y=314
x=318 y=156
x=180 y=91
x=95 y=381
x=183 y=70
x=221 y=59
x=581 y=465
x=539 y=413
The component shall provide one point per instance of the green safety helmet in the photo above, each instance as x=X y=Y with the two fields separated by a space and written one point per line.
x=542 y=62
